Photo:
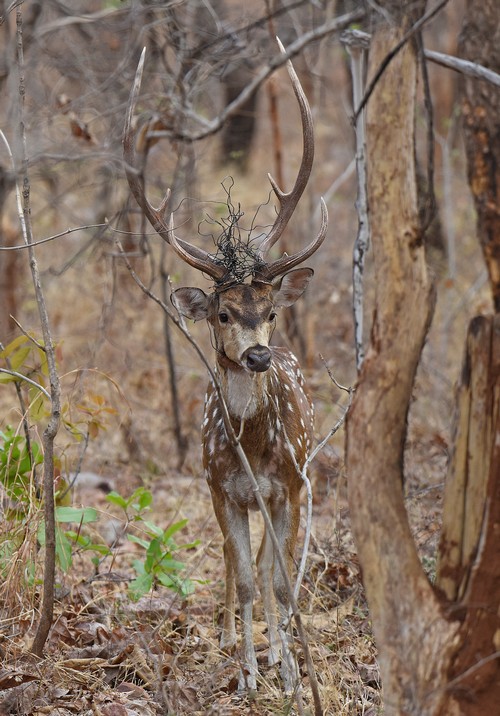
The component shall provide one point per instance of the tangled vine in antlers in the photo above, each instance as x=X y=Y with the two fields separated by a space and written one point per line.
x=234 y=248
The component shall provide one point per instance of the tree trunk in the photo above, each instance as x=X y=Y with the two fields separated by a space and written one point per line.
x=469 y=564
x=413 y=658
x=438 y=648
x=480 y=42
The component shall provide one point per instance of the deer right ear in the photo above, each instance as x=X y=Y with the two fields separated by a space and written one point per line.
x=191 y=302
x=291 y=287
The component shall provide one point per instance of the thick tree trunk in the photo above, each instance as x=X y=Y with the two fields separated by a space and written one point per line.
x=413 y=657
x=469 y=561
x=438 y=648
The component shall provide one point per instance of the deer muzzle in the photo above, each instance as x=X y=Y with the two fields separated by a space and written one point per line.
x=257 y=359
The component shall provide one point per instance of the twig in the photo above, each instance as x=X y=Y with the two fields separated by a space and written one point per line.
x=180 y=438
x=429 y=194
x=310 y=458
x=49 y=238
x=24 y=415
x=28 y=335
x=335 y=186
x=24 y=378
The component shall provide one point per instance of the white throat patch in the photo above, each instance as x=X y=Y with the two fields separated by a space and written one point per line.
x=244 y=393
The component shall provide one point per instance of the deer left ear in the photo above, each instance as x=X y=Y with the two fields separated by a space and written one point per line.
x=291 y=287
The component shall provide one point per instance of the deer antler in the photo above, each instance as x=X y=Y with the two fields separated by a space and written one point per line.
x=288 y=200
x=268 y=271
x=194 y=256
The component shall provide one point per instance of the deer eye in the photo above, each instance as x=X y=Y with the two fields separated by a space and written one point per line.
x=272 y=316
x=223 y=317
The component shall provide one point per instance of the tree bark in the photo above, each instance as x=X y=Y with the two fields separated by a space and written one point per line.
x=480 y=43
x=438 y=647
x=413 y=657
x=469 y=563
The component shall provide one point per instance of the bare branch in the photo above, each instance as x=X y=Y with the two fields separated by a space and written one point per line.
x=295 y=48
x=471 y=69
x=24 y=378
x=51 y=238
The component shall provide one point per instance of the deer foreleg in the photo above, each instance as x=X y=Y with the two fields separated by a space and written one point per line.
x=238 y=558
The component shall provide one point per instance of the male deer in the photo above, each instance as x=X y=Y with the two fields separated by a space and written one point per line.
x=263 y=389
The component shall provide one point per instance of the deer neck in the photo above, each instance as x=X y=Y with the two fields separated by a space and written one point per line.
x=245 y=393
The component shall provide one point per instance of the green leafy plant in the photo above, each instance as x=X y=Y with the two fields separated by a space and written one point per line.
x=160 y=564
x=67 y=539
x=16 y=463
x=16 y=467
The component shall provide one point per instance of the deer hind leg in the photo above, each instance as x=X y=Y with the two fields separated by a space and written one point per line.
x=265 y=562
x=285 y=516
x=238 y=558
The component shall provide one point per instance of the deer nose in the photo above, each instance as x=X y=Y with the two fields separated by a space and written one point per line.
x=257 y=358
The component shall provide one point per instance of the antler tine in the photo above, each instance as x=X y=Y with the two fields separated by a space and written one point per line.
x=198 y=258
x=267 y=272
x=193 y=258
x=288 y=200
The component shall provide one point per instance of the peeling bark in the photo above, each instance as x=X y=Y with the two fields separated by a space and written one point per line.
x=469 y=564
x=480 y=43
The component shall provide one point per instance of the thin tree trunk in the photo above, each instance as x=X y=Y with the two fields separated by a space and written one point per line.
x=50 y=432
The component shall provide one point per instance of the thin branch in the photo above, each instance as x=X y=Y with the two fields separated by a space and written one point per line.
x=24 y=413
x=431 y=203
x=24 y=378
x=471 y=69
x=51 y=238
x=31 y=338
x=310 y=458
x=335 y=186
x=180 y=438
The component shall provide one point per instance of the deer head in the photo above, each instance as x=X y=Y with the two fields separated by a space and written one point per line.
x=242 y=314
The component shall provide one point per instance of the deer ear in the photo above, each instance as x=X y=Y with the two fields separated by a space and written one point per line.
x=191 y=302
x=291 y=287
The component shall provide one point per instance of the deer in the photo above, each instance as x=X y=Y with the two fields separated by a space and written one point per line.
x=263 y=391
